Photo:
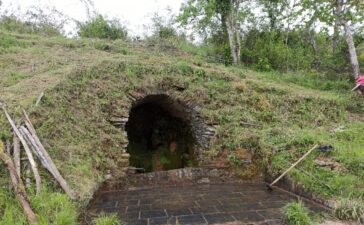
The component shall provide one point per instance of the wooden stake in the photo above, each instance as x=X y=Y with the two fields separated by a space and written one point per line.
x=16 y=155
x=39 y=98
x=33 y=164
x=18 y=187
x=43 y=155
x=293 y=165
x=8 y=147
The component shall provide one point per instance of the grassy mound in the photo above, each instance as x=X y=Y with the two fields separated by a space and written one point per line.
x=272 y=116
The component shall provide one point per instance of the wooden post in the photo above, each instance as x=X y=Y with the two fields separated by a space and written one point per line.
x=18 y=187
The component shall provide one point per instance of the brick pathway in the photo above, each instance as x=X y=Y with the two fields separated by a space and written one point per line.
x=226 y=203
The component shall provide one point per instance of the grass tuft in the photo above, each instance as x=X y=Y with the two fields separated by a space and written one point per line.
x=350 y=209
x=107 y=220
x=295 y=213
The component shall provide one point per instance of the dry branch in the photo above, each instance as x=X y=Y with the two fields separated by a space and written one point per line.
x=33 y=164
x=16 y=154
x=43 y=155
x=18 y=187
x=32 y=143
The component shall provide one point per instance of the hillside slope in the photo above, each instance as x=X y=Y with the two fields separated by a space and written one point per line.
x=86 y=82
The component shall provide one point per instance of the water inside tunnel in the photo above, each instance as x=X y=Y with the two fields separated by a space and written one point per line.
x=160 y=134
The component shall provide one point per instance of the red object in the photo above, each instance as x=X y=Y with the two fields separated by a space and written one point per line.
x=359 y=82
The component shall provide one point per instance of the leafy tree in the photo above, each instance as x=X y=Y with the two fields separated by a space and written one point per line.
x=99 y=27
x=275 y=11
x=340 y=14
x=210 y=17
x=163 y=27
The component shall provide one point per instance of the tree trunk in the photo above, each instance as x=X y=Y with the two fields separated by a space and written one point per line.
x=341 y=20
x=312 y=40
x=335 y=41
x=233 y=31
x=337 y=13
x=230 y=31
x=238 y=42
x=314 y=48
x=237 y=31
x=352 y=50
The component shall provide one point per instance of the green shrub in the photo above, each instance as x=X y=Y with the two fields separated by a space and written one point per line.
x=350 y=209
x=278 y=50
x=182 y=67
x=295 y=213
x=44 y=27
x=99 y=27
x=107 y=220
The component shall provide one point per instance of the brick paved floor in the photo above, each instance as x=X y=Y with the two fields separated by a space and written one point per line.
x=227 y=203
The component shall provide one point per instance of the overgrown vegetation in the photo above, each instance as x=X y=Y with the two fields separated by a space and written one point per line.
x=350 y=209
x=37 y=20
x=291 y=117
x=99 y=27
x=51 y=207
x=272 y=115
x=296 y=213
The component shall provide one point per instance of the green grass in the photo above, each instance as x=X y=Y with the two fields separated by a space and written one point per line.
x=51 y=208
x=10 y=211
x=14 y=78
x=296 y=213
x=313 y=80
x=107 y=220
x=350 y=209
x=85 y=82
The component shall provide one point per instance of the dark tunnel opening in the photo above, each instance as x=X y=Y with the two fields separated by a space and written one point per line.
x=160 y=134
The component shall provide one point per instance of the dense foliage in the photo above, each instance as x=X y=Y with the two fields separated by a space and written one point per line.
x=99 y=27
x=281 y=34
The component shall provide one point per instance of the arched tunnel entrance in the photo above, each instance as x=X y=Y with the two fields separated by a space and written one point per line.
x=160 y=134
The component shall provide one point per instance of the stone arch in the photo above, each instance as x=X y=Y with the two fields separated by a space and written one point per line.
x=184 y=123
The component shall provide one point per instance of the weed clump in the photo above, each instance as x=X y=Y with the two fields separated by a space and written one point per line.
x=350 y=209
x=296 y=213
x=107 y=220
x=99 y=27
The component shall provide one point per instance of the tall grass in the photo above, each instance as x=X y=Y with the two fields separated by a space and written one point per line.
x=296 y=213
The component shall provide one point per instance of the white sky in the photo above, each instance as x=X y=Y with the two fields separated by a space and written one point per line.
x=135 y=13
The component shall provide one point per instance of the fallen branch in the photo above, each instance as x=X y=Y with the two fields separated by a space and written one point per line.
x=16 y=155
x=43 y=155
x=18 y=187
x=33 y=164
